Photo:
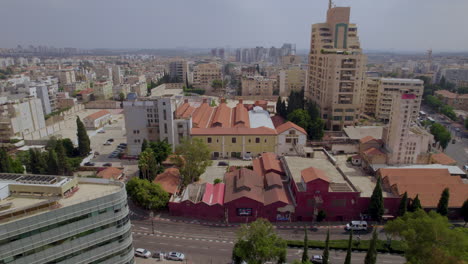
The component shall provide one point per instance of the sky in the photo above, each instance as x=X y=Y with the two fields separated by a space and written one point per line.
x=395 y=25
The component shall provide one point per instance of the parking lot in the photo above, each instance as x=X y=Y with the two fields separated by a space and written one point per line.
x=215 y=171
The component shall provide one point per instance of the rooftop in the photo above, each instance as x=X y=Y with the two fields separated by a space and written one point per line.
x=453 y=170
x=357 y=133
x=98 y=114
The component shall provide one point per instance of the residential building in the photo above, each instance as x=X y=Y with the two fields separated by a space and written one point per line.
x=257 y=85
x=179 y=70
x=77 y=86
x=290 y=60
x=20 y=117
x=103 y=73
x=43 y=94
x=292 y=79
x=291 y=139
x=378 y=95
x=153 y=119
x=97 y=120
x=457 y=101
x=336 y=69
x=103 y=90
x=117 y=76
x=57 y=219
x=458 y=75
x=66 y=76
x=204 y=74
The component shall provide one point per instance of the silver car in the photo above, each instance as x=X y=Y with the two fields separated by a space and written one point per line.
x=175 y=256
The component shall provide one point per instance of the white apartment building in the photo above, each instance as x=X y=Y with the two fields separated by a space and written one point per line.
x=57 y=219
x=20 y=117
x=379 y=93
x=102 y=90
x=204 y=74
x=403 y=141
x=292 y=79
x=66 y=76
x=336 y=69
x=257 y=85
x=153 y=119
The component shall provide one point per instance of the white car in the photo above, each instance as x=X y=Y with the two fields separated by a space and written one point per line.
x=246 y=157
x=356 y=226
x=175 y=256
x=141 y=252
x=316 y=259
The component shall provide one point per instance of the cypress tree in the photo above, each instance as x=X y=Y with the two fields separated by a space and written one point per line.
x=52 y=163
x=464 y=212
x=305 y=255
x=5 y=162
x=376 y=206
x=371 y=256
x=348 y=252
x=403 y=204
x=62 y=162
x=278 y=106
x=37 y=162
x=326 y=250
x=84 y=144
x=442 y=206
x=416 y=204
x=144 y=145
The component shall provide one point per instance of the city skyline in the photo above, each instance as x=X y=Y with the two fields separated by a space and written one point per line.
x=206 y=24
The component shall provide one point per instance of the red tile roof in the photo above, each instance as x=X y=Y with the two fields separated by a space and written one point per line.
x=428 y=184
x=311 y=174
x=270 y=162
x=97 y=115
x=214 y=194
x=278 y=120
x=169 y=180
x=289 y=125
x=243 y=183
x=110 y=173
x=366 y=139
x=442 y=158
x=222 y=116
x=234 y=131
x=447 y=94
x=241 y=116
x=373 y=152
x=87 y=91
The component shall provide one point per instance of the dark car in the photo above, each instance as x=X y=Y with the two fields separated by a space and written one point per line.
x=222 y=163
x=89 y=164
x=107 y=164
x=110 y=140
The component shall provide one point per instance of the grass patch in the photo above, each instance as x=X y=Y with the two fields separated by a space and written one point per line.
x=397 y=246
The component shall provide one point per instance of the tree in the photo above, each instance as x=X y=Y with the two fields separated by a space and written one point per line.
x=144 y=145
x=147 y=164
x=295 y=101
x=84 y=144
x=5 y=163
x=301 y=118
x=62 y=162
x=280 y=107
x=403 y=205
x=69 y=148
x=321 y=216
x=441 y=134
x=348 y=252
x=305 y=255
x=429 y=238
x=52 y=163
x=258 y=243
x=466 y=123
x=464 y=211
x=416 y=204
x=376 y=206
x=122 y=96
x=371 y=256
x=192 y=157
x=217 y=84
x=216 y=181
x=37 y=162
x=162 y=150
x=442 y=206
x=326 y=250
x=147 y=194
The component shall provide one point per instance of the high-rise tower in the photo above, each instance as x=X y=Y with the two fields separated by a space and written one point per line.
x=336 y=69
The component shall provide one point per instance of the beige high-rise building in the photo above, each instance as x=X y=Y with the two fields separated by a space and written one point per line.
x=377 y=99
x=257 y=85
x=336 y=69
x=292 y=79
x=103 y=90
x=179 y=70
x=204 y=74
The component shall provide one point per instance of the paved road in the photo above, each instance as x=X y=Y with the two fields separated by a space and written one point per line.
x=198 y=250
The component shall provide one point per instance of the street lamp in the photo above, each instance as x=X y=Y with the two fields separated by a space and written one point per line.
x=151 y=214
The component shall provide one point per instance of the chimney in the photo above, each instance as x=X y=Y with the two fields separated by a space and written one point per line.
x=205 y=100
x=186 y=101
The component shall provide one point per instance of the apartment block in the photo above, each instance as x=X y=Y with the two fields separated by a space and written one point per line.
x=153 y=119
x=57 y=219
x=204 y=74
x=117 y=76
x=103 y=90
x=179 y=70
x=257 y=85
x=292 y=79
x=378 y=94
x=103 y=72
x=457 y=101
x=336 y=69
x=66 y=76
x=20 y=117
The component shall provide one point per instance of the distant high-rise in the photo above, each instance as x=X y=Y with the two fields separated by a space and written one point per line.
x=336 y=69
x=178 y=70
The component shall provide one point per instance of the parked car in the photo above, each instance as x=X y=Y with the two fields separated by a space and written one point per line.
x=316 y=259
x=175 y=256
x=107 y=143
x=101 y=131
x=356 y=226
x=222 y=163
x=89 y=163
x=110 y=140
x=107 y=164
x=247 y=157
x=141 y=252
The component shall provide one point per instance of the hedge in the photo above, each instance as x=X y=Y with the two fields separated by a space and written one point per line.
x=397 y=246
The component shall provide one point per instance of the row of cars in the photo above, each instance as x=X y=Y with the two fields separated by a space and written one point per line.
x=144 y=253
x=120 y=148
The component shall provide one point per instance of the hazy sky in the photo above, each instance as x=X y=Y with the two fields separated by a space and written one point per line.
x=382 y=24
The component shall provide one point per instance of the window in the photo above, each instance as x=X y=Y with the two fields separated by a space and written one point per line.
x=165 y=128
x=292 y=132
x=257 y=140
x=233 y=140
x=209 y=140
x=164 y=114
x=349 y=118
x=337 y=118
x=288 y=140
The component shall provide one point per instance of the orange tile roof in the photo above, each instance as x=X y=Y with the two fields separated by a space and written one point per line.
x=278 y=120
x=97 y=115
x=241 y=116
x=289 y=125
x=202 y=116
x=222 y=116
x=270 y=162
x=243 y=183
x=110 y=173
x=311 y=174
x=373 y=152
x=442 y=158
x=169 y=180
x=366 y=139
x=427 y=183
x=233 y=131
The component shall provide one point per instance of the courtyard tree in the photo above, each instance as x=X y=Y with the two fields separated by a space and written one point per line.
x=192 y=157
x=147 y=164
x=442 y=206
x=147 y=194
x=415 y=204
x=403 y=204
x=376 y=206
x=161 y=149
x=326 y=250
x=305 y=255
x=464 y=212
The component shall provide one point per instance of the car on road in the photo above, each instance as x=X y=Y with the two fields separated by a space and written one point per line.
x=101 y=131
x=247 y=157
x=356 y=226
x=222 y=163
x=175 y=256
x=141 y=252
x=107 y=164
x=110 y=140
x=107 y=143
x=316 y=259
x=89 y=163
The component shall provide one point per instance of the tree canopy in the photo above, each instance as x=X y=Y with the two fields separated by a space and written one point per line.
x=192 y=157
x=441 y=134
x=148 y=165
x=9 y=164
x=147 y=194
x=258 y=243
x=429 y=238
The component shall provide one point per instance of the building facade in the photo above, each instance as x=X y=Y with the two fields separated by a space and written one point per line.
x=336 y=69
x=179 y=70
x=257 y=85
x=292 y=79
x=103 y=90
x=204 y=75
x=75 y=220
x=457 y=101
